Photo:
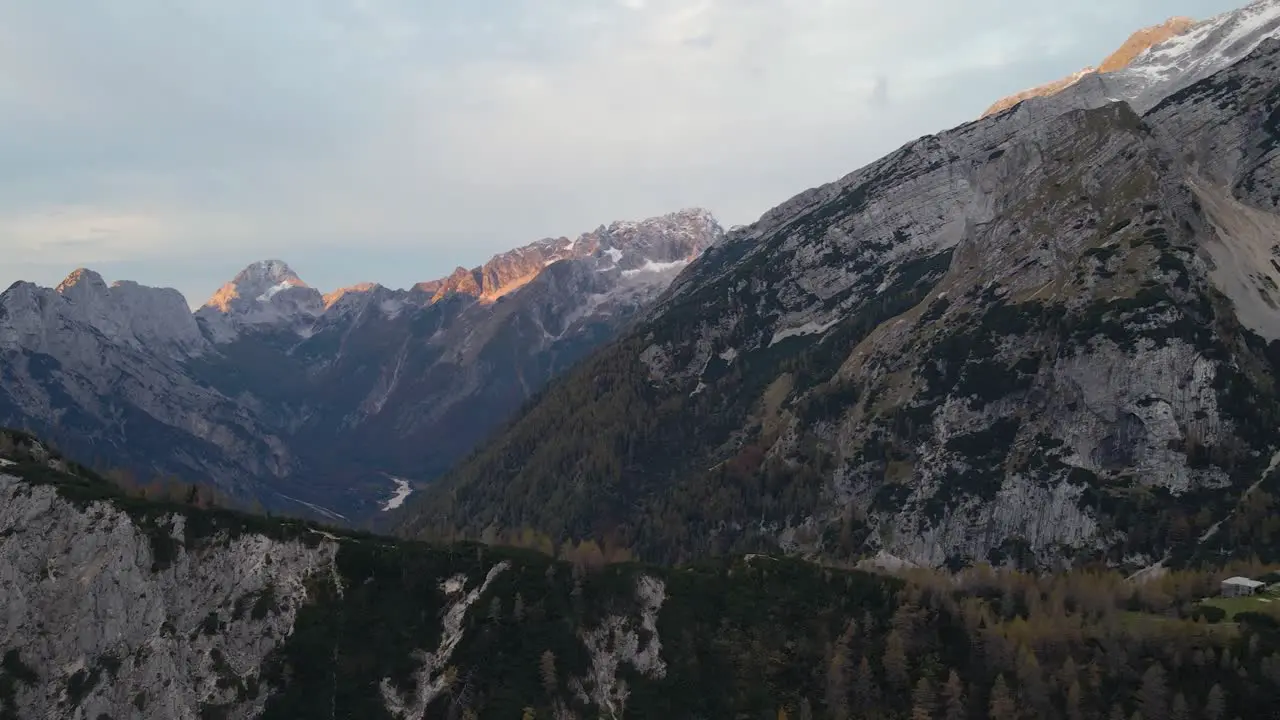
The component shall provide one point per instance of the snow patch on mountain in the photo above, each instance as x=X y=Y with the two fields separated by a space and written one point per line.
x=1208 y=47
x=274 y=290
x=655 y=267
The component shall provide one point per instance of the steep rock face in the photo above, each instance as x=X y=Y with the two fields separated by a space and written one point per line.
x=122 y=608
x=113 y=626
x=313 y=403
x=1008 y=341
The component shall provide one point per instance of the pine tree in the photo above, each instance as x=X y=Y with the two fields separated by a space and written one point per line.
x=895 y=660
x=953 y=696
x=866 y=693
x=923 y=700
x=1074 y=700
x=1153 y=696
x=1179 y=710
x=1215 y=707
x=1002 y=705
x=838 y=684
x=547 y=669
x=1031 y=679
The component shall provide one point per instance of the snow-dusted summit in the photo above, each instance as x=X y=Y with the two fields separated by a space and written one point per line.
x=1173 y=55
x=266 y=293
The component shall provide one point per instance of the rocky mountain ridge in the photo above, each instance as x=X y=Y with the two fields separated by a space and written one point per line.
x=1133 y=47
x=281 y=394
x=1162 y=58
x=1014 y=338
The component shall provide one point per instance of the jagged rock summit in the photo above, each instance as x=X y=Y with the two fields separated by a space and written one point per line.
x=652 y=245
x=140 y=317
x=1157 y=60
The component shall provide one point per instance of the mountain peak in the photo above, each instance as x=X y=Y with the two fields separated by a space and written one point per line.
x=1143 y=39
x=266 y=293
x=624 y=244
x=275 y=271
x=693 y=213
x=125 y=313
x=80 y=280
x=332 y=298
x=257 y=283
x=1132 y=48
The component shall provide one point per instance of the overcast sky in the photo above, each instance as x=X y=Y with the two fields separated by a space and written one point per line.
x=172 y=142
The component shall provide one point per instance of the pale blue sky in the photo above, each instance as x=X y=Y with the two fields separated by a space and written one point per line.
x=172 y=142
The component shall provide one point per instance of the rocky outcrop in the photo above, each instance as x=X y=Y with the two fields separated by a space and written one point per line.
x=430 y=679
x=122 y=616
x=617 y=640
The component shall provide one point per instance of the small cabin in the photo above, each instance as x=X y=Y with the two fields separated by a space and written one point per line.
x=1240 y=586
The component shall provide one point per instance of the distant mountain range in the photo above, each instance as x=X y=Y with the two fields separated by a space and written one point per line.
x=277 y=393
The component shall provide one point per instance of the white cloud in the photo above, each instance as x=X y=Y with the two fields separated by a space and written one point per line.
x=78 y=235
x=436 y=133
